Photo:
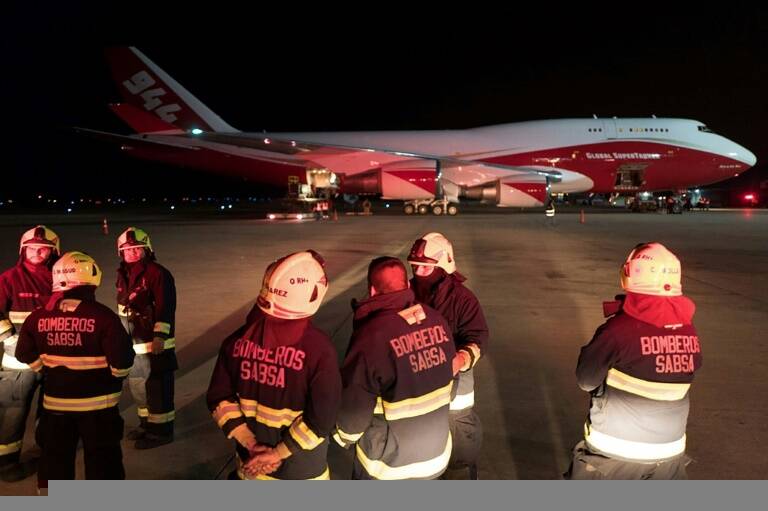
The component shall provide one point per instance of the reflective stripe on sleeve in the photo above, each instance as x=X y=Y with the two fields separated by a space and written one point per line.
x=225 y=411
x=85 y=404
x=163 y=328
x=74 y=363
x=10 y=448
x=419 y=470
x=303 y=435
x=142 y=412
x=343 y=438
x=629 y=449
x=463 y=401
x=120 y=373
x=474 y=350
x=379 y=408
x=143 y=348
x=652 y=390
x=121 y=310
x=161 y=418
x=416 y=406
x=18 y=317
x=271 y=417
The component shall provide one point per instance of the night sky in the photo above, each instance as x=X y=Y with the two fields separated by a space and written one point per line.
x=301 y=69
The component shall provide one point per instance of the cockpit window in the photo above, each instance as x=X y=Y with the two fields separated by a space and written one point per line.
x=704 y=129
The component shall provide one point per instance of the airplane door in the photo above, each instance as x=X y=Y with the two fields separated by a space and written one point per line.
x=609 y=128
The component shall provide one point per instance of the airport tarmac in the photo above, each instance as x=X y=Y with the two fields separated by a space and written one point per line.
x=541 y=284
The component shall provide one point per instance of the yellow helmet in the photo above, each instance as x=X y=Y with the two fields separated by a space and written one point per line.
x=40 y=236
x=75 y=269
x=433 y=249
x=133 y=237
x=294 y=286
x=651 y=269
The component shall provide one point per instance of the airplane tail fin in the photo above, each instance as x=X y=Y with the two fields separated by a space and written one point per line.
x=145 y=86
x=144 y=122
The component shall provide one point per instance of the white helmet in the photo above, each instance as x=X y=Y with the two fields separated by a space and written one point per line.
x=294 y=286
x=133 y=237
x=40 y=236
x=651 y=269
x=433 y=249
x=75 y=269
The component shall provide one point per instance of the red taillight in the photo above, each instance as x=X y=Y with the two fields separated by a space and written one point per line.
x=749 y=196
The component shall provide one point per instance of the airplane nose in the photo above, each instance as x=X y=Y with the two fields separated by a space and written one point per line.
x=743 y=155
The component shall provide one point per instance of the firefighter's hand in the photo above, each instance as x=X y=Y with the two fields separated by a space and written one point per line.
x=158 y=345
x=459 y=361
x=264 y=460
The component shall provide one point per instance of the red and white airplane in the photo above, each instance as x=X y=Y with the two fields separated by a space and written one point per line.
x=517 y=164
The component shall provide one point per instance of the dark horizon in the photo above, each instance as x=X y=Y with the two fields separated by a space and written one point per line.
x=319 y=71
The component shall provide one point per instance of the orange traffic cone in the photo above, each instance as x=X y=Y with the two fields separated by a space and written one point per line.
x=105 y=227
x=335 y=216
x=582 y=219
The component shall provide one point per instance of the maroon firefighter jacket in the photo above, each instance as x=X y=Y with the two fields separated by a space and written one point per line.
x=82 y=349
x=639 y=367
x=397 y=378
x=23 y=288
x=146 y=302
x=281 y=378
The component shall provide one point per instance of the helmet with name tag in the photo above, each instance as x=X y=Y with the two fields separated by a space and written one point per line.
x=433 y=249
x=75 y=269
x=651 y=269
x=294 y=286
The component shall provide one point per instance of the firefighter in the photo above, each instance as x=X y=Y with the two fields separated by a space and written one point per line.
x=276 y=387
x=84 y=353
x=146 y=303
x=437 y=283
x=23 y=288
x=397 y=378
x=638 y=368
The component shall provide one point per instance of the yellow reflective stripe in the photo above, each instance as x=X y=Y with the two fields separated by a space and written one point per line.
x=416 y=406
x=303 y=435
x=652 y=390
x=11 y=362
x=463 y=401
x=271 y=417
x=419 y=470
x=632 y=450
x=379 y=408
x=10 y=448
x=163 y=328
x=74 y=363
x=18 y=317
x=342 y=437
x=5 y=326
x=120 y=373
x=142 y=412
x=121 y=310
x=161 y=418
x=85 y=404
x=325 y=476
x=143 y=348
x=225 y=411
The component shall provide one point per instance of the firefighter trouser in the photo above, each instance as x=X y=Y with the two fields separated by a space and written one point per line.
x=153 y=393
x=17 y=389
x=58 y=434
x=586 y=464
x=360 y=474
x=467 y=434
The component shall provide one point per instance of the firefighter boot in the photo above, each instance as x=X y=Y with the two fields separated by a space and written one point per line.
x=139 y=432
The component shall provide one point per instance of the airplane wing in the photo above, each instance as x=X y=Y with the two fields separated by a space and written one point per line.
x=344 y=158
x=131 y=140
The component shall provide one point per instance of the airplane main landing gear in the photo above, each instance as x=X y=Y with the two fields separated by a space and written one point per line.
x=437 y=207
